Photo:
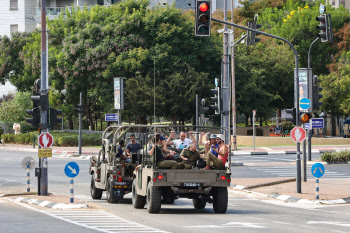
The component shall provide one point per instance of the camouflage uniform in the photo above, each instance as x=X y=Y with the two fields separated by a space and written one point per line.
x=191 y=156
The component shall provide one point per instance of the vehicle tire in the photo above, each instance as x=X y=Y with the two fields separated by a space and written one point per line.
x=153 y=199
x=220 y=200
x=95 y=192
x=138 y=201
x=199 y=203
x=109 y=192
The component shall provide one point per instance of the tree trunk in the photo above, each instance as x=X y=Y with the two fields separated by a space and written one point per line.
x=246 y=119
x=334 y=126
x=91 y=122
x=70 y=123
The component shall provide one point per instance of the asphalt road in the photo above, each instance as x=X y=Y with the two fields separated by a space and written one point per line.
x=246 y=213
x=281 y=165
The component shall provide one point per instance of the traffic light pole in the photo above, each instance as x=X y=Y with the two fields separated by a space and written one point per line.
x=310 y=97
x=44 y=92
x=225 y=82
x=80 y=119
x=296 y=90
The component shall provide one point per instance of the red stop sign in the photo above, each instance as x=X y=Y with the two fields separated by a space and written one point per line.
x=298 y=134
x=45 y=140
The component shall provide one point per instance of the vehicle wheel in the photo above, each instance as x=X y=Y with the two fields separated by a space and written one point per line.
x=95 y=192
x=138 y=201
x=109 y=192
x=199 y=203
x=220 y=200
x=153 y=199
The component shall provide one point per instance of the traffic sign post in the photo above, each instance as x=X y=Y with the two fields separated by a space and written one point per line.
x=28 y=163
x=298 y=134
x=317 y=171
x=71 y=170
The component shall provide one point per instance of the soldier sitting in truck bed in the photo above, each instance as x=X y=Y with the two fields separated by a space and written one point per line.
x=125 y=159
x=160 y=161
x=189 y=157
x=217 y=162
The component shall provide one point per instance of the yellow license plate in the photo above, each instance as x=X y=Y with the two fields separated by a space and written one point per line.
x=45 y=152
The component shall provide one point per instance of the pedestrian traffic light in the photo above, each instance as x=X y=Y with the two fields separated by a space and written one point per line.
x=305 y=117
x=35 y=111
x=79 y=108
x=293 y=112
x=53 y=116
x=217 y=100
x=203 y=18
x=325 y=28
x=202 y=108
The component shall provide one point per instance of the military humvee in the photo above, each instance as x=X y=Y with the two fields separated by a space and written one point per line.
x=151 y=185
x=109 y=173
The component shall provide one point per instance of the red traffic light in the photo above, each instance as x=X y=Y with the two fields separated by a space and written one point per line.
x=203 y=7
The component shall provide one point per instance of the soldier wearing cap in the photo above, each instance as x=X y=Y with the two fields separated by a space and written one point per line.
x=209 y=146
x=222 y=150
x=189 y=157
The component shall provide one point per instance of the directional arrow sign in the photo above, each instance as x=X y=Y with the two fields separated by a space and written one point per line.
x=304 y=103
x=71 y=169
x=317 y=170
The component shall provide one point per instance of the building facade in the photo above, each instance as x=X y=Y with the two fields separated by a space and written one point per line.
x=338 y=3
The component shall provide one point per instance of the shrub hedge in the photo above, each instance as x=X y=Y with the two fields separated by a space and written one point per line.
x=60 y=139
x=340 y=156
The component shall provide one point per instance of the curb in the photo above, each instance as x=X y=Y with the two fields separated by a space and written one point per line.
x=287 y=198
x=46 y=204
x=279 y=152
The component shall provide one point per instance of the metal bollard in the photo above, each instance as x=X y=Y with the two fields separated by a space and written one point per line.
x=317 y=188
x=71 y=186
x=28 y=177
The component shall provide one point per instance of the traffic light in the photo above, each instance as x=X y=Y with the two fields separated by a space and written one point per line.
x=35 y=111
x=216 y=99
x=79 y=108
x=293 y=112
x=325 y=28
x=253 y=34
x=305 y=117
x=202 y=108
x=53 y=116
x=203 y=18
x=316 y=96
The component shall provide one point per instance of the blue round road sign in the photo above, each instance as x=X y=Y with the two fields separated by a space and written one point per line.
x=304 y=103
x=322 y=9
x=317 y=170
x=71 y=169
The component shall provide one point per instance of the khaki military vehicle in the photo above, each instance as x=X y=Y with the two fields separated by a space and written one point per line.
x=152 y=186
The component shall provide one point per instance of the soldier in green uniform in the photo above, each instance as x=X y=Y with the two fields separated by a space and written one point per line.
x=189 y=157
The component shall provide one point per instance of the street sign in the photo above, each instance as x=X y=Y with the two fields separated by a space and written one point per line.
x=317 y=170
x=304 y=103
x=317 y=123
x=216 y=82
x=45 y=152
x=298 y=134
x=45 y=140
x=29 y=160
x=71 y=169
x=322 y=8
x=111 y=117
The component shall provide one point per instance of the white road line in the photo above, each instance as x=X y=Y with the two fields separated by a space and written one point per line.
x=343 y=224
x=266 y=148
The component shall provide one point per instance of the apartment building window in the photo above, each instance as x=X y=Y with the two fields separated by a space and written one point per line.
x=333 y=2
x=13 y=28
x=13 y=4
x=342 y=2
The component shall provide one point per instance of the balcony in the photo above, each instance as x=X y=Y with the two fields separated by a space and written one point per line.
x=53 y=12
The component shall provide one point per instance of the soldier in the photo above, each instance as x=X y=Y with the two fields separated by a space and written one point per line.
x=189 y=157
x=218 y=162
x=161 y=162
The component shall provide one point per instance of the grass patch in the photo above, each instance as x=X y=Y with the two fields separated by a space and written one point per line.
x=340 y=156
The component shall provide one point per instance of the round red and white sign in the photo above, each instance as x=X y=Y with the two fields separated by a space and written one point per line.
x=298 y=134
x=45 y=140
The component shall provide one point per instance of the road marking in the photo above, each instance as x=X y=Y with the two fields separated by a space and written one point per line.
x=229 y=225
x=337 y=231
x=343 y=224
x=7 y=181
